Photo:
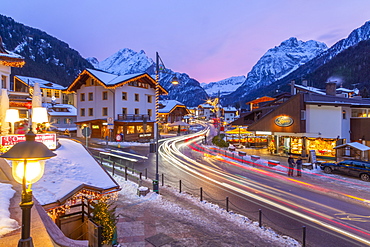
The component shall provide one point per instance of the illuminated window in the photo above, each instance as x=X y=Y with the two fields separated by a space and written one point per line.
x=48 y=93
x=82 y=112
x=56 y=94
x=130 y=129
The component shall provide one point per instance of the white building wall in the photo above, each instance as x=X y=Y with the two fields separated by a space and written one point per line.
x=143 y=105
x=326 y=120
x=5 y=71
x=97 y=103
x=114 y=96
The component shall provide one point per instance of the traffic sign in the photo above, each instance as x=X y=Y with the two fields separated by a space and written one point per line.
x=86 y=131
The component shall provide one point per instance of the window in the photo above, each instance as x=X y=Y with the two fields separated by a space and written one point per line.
x=82 y=97
x=124 y=111
x=3 y=81
x=105 y=111
x=124 y=96
x=48 y=93
x=344 y=114
x=136 y=97
x=91 y=111
x=56 y=94
x=105 y=95
x=57 y=121
x=150 y=113
x=68 y=121
x=82 y=112
x=136 y=111
x=130 y=129
x=360 y=113
x=149 y=99
x=91 y=96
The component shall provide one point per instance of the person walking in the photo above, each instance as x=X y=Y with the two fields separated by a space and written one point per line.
x=291 y=164
x=299 y=167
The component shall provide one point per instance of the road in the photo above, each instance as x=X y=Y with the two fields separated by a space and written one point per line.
x=287 y=204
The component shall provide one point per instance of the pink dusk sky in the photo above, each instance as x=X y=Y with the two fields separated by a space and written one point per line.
x=210 y=40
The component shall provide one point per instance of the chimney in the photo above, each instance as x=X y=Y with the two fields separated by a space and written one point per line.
x=304 y=83
x=331 y=88
x=292 y=88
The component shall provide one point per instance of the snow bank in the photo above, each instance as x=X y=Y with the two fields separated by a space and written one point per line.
x=6 y=223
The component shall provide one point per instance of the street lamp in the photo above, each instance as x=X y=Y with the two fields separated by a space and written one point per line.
x=174 y=81
x=28 y=159
x=12 y=116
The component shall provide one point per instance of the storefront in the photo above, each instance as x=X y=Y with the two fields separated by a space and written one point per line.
x=131 y=131
x=324 y=147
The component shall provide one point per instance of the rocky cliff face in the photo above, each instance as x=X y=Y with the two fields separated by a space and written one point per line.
x=276 y=63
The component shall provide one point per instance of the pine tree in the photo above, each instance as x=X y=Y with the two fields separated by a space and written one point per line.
x=105 y=216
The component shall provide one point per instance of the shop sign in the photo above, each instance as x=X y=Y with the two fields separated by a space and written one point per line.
x=49 y=140
x=144 y=135
x=283 y=121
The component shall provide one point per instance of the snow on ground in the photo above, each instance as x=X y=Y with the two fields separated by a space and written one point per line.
x=72 y=167
x=129 y=191
x=6 y=223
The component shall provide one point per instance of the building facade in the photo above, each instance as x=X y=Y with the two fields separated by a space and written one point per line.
x=114 y=105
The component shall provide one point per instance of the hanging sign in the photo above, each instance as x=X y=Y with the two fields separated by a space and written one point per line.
x=283 y=121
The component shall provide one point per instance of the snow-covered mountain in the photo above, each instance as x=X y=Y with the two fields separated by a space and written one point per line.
x=127 y=61
x=225 y=86
x=276 y=63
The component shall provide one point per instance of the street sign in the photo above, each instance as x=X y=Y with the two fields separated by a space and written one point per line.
x=110 y=121
x=86 y=131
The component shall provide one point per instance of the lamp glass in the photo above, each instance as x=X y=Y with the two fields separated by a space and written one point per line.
x=39 y=115
x=12 y=116
x=175 y=81
x=34 y=170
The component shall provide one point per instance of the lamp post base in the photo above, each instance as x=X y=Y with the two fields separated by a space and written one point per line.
x=25 y=242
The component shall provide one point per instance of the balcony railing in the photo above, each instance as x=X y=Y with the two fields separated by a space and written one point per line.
x=133 y=117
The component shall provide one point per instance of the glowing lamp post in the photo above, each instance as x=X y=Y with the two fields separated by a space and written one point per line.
x=174 y=81
x=12 y=116
x=28 y=159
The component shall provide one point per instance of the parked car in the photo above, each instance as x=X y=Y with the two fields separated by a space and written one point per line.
x=355 y=168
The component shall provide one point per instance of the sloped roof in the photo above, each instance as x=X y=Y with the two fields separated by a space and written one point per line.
x=170 y=105
x=355 y=145
x=30 y=81
x=109 y=80
x=8 y=58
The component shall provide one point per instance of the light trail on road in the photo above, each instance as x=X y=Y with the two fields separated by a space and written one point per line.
x=266 y=194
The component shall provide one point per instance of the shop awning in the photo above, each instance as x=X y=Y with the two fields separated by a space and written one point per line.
x=238 y=131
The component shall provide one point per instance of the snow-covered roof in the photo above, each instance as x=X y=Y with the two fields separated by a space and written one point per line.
x=72 y=168
x=70 y=110
x=112 y=79
x=229 y=108
x=345 y=90
x=310 y=89
x=205 y=106
x=355 y=145
x=43 y=83
x=169 y=105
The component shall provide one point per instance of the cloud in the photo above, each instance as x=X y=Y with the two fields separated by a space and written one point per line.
x=332 y=36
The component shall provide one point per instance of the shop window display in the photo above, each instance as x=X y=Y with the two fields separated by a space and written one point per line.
x=322 y=147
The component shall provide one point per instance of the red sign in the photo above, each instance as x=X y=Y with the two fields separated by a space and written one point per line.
x=50 y=140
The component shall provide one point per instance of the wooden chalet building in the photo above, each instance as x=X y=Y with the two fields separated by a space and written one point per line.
x=114 y=105
x=171 y=111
